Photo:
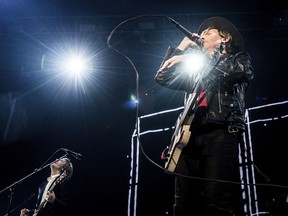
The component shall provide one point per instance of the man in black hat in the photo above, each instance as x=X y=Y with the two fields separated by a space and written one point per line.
x=204 y=157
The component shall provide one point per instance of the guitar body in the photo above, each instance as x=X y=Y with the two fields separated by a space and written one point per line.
x=181 y=135
x=179 y=140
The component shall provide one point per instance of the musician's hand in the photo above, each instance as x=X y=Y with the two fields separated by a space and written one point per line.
x=50 y=196
x=171 y=62
x=186 y=43
x=24 y=212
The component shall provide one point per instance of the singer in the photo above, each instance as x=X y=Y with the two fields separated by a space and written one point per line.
x=54 y=193
x=215 y=100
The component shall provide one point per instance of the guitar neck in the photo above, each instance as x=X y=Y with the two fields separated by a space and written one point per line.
x=40 y=207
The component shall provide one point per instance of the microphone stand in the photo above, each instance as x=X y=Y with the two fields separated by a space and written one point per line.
x=17 y=207
x=13 y=186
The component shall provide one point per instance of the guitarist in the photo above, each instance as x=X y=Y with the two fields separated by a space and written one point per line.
x=218 y=116
x=53 y=202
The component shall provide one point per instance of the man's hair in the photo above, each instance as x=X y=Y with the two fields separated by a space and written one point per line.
x=68 y=167
x=229 y=45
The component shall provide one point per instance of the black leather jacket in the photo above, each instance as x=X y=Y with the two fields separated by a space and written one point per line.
x=226 y=82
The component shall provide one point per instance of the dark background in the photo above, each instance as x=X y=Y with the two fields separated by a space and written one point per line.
x=41 y=113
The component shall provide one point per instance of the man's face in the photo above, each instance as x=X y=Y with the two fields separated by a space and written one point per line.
x=211 y=40
x=59 y=164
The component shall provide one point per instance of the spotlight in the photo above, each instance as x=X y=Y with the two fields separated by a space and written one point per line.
x=194 y=63
x=70 y=65
x=76 y=66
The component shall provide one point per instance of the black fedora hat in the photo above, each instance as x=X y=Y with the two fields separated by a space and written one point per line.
x=224 y=25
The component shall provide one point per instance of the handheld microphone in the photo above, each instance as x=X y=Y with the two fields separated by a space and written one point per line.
x=77 y=155
x=192 y=36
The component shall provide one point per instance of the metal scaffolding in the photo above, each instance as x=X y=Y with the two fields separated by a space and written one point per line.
x=246 y=160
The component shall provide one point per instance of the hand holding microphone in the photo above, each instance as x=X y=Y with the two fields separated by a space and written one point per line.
x=191 y=40
x=171 y=62
x=187 y=43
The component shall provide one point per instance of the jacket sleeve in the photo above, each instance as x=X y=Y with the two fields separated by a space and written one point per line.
x=235 y=68
x=63 y=196
x=175 y=77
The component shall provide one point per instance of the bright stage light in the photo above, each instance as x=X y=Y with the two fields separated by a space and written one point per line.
x=194 y=63
x=76 y=66
x=71 y=65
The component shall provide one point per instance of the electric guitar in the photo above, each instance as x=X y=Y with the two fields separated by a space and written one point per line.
x=58 y=180
x=181 y=135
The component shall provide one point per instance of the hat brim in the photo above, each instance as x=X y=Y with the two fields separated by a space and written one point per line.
x=224 y=25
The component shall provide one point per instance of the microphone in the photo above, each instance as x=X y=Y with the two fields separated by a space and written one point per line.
x=192 y=36
x=78 y=156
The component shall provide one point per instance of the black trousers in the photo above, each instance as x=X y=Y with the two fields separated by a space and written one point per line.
x=211 y=154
